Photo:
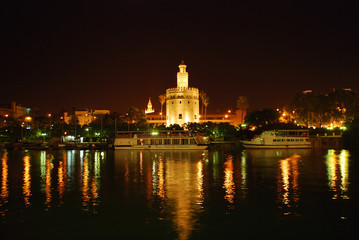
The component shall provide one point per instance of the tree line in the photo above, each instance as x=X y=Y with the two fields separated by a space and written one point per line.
x=312 y=110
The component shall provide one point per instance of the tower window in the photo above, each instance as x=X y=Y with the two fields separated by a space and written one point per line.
x=180 y=116
x=180 y=102
x=195 y=116
x=188 y=102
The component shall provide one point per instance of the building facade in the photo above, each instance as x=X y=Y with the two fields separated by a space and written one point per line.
x=149 y=108
x=14 y=110
x=85 y=116
x=182 y=102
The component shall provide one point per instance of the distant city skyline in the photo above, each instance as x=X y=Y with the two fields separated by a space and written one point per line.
x=118 y=54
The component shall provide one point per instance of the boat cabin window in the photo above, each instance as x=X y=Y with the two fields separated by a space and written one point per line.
x=193 y=142
x=167 y=141
x=184 y=141
x=175 y=141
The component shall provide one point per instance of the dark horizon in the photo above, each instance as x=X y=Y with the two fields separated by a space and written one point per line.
x=117 y=54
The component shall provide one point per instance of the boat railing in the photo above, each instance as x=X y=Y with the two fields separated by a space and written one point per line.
x=286 y=133
x=154 y=134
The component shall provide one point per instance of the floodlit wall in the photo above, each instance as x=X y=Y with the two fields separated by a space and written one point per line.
x=182 y=105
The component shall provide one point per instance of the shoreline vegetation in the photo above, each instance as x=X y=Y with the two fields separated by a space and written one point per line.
x=331 y=118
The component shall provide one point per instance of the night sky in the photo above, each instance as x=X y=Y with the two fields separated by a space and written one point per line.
x=116 y=54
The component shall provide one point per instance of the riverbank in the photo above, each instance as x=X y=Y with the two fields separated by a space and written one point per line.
x=334 y=141
x=64 y=146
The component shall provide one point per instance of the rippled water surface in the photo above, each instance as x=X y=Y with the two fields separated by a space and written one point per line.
x=178 y=194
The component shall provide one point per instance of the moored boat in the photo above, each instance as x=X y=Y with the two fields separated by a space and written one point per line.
x=160 y=140
x=280 y=139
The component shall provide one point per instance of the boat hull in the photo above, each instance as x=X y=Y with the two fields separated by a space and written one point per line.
x=264 y=146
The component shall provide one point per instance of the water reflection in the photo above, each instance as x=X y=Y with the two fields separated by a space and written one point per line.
x=48 y=179
x=288 y=189
x=338 y=173
x=91 y=181
x=4 y=195
x=26 y=187
x=200 y=176
x=243 y=176
x=61 y=179
x=180 y=190
x=174 y=182
x=184 y=196
x=228 y=184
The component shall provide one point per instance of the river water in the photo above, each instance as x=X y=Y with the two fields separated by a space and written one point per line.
x=83 y=194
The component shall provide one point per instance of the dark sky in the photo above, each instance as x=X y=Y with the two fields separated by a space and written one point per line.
x=116 y=54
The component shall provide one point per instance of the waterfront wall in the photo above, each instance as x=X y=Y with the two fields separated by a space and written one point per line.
x=327 y=142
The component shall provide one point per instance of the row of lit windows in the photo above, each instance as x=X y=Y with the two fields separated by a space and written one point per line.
x=289 y=140
x=165 y=141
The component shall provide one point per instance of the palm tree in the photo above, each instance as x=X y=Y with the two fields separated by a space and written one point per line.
x=202 y=96
x=74 y=120
x=162 y=99
x=205 y=103
x=242 y=105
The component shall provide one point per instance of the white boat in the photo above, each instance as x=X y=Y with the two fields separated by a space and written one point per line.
x=160 y=140
x=280 y=139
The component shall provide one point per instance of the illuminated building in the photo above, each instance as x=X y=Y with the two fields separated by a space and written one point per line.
x=85 y=116
x=14 y=110
x=182 y=106
x=149 y=108
x=182 y=102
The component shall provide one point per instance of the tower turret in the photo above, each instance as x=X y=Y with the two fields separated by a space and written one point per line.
x=149 y=108
x=182 y=76
x=182 y=102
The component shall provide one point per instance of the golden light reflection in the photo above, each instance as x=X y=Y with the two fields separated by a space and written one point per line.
x=62 y=177
x=184 y=189
x=200 y=182
x=338 y=173
x=48 y=194
x=90 y=184
x=141 y=163
x=161 y=178
x=60 y=181
x=288 y=189
x=228 y=184
x=95 y=184
x=85 y=185
x=26 y=187
x=4 y=195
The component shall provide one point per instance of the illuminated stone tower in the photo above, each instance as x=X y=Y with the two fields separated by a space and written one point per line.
x=182 y=102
